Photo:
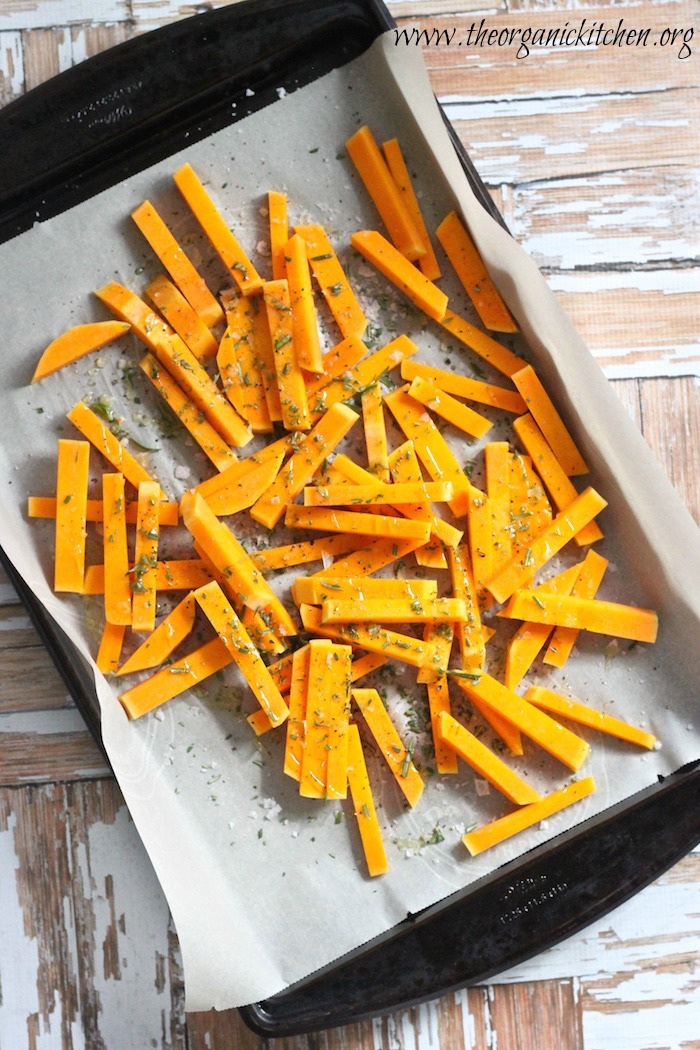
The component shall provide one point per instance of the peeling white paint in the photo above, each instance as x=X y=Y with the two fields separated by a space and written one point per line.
x=11 y=64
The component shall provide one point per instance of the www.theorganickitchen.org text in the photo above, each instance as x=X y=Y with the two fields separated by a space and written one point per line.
x=585 y=33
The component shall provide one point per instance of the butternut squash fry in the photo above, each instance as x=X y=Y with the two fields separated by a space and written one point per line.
x=498 y=356
x=393 y=610
x=328 y=519
x=175 y=261
x=427 y=262
x=117 y=579
x=217 y=230
x=363 y=804
x=371 y=556
x=370 y=637
x=296 y=723
x=403 y=274
x=183 y=366
x=333 y=282
x=327 y=710
x=439 y=703
x=99 y=435
x=290 y=380
x=340 y=359
x=247 y=488
x=312 y=449
x=528 y=640
x=172 y=305
x=484 y=761
x=143 y=574
x=549 y=542
x=71 y=504
x=473 y=275
x=438 y=635
x=463 y=386
x=164 y=639
x=380 y=494
x=448 y=408
x=575 y=711
x=553 y=475
x=497 y=463
x=320 y=549
x=179 y=575
x=213 y=603
x=470 y=635
x=175 y=679
x=209 y=440
x=45 y=507
x=586 y=614
x=388 y=200
x=279 y=231
x=397 y=755
x=246 y=361
x=307 y=343
x=404 y=468
x=314 y=590
x=78 y=341
x=375 y=432
x=362 y=375
x=241 y=468
x=586 y=585
x=111 y=641
x=559 y=742
x=498 y=830
x=549 y=421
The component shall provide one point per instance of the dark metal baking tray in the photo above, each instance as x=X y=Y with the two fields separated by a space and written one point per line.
x=114 y=115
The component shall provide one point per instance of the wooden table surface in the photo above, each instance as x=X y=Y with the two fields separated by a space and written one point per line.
x=592 y=156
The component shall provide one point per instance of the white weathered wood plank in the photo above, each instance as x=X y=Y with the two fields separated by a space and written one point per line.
x=43 y=14
x=11 y=66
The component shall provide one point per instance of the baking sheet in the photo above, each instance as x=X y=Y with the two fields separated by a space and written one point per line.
x=266 y=887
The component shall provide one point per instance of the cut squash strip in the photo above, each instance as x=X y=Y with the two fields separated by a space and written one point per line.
x=307 y=343
x=405 y=469
x=279 y=232
x=296 y=723
x=110 y=649
x=484 y=761
x=439 y=637
x=183 y=366
x=78 y=341
x=45 y=507
x=362 y=375
x=171 y=303
x=554 y=738
x=549 y=542
x=290 y=379
x=246 y=363
x=553 y=475
x=473 y=275
x=275 y=452
x=539 y=508
x=327 y=711
x=388 y=199
x=117 y=579
x=314 y=590
x=585 y=614
x=324 y=548
x=342 y=495
x=178 y=575
x=427 y=262
x=397 y=755
x=463 y=386
x=164 y=639
x=509 y=733
x=363 y=805
x=498 y=356
x=449 y=409
x=499 y=830
x=403 y=274
x=480 y=542
x=497 y=463
x=575 y=711
x=99 y=435
x=209 y=440
x=439 y=704
x=333 y=281
x=374 y=639
x=530 y=637
x=336 y=362
x=312 y=449
x=249 y=486
x=243 y=581
x=371 y=556
x=542 y=409
x=587 y=583
x=328 y=519
x=217 y=230
x=393 y=610
x=72 y=478
x=375 y=432
x=215 y=606
x=431 y=447
x=365 y=664
x=143 y=574
x=175 y=679
x=470 y=635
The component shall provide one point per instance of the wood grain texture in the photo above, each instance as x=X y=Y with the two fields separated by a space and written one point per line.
x=593 y=159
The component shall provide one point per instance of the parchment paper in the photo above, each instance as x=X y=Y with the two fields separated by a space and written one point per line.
x=266 y=887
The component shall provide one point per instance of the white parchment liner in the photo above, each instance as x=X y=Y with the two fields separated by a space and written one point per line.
x=265 y=887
